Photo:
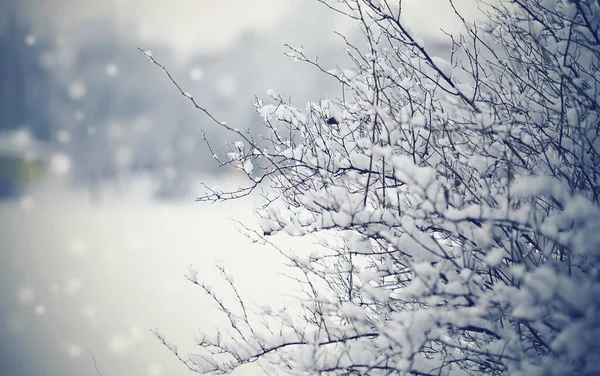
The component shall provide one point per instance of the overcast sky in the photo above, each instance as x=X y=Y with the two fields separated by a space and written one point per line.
x=92 y=256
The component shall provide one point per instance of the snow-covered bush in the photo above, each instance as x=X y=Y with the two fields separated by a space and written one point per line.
x=463 y=194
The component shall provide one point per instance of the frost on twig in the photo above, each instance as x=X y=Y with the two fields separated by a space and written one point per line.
x=459 y=199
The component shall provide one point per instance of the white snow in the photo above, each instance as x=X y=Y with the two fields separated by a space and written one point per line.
x=74 y=350
x=123 y=288
x=26 y=202
x=272 y=94
x=494 y=257
x=248 y=167
x=30 y=40
x=72 y=286
x=25 y=295
x=40 y=310
x=63 y=136
x=443 y=65
x=196 y=73
x=192 y=274
x=112 y=70
x=120 y=343
x=226 y=86
x=77 y=90
x=154 y=369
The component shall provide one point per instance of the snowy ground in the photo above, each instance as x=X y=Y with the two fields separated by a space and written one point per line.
x=78 y=276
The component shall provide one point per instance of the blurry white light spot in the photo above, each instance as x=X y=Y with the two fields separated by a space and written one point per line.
x=112 y=70
x=40 y=310
x=78 y=247
x=25 y=295
x=170 y=173
x=119 y=344
x=186 y=144
x=154 y=369
x=30 y=40
x=60 y=164
x=26 y=202
x=136 y=243
x=196 y=74
x=61 y=40
x=143 y=124
x=16 y=324
x=165 y=154
x=47 y=60
x=136 y=332
x=22 y=138
x=226 y=86
x=30 y=155
x=124 y=156
x=170 y=287
x=74 y=351
x=72 y=286
x=79 y=116
x=88 y=312
x=76 y=90
x=91 y=131
x=110 y=256
x=115 y=130
x=63 y=136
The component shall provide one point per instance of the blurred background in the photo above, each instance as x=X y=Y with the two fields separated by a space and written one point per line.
x=101 y=159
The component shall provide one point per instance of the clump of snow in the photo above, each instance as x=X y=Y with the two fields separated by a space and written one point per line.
x=192 y=274
x=443 y=66
x=248 y=167
x=272 y=94
x=494 y=257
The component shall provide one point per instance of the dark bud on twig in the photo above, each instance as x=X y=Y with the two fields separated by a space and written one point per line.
x=332 y=121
